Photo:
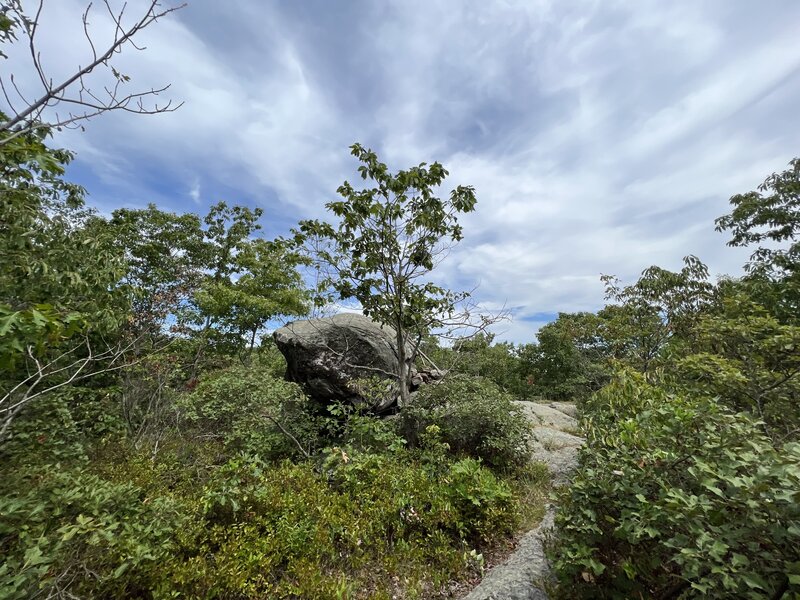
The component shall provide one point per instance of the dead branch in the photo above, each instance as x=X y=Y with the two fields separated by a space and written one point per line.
x=74 y=90
x=278 y=424
x=61 y=371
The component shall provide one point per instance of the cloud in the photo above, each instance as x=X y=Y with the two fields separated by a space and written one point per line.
x=601 y=137
x=194 y=192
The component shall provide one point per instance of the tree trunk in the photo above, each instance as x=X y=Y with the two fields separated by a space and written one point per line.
x=402 y=369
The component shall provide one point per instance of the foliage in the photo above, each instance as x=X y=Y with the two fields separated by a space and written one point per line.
x=59 y=278
x=389 y=238
x=676 y=497
x=645 y=316
x=251 y=529
x=770 y=214
x=747 y=359
x=570 y=360
x=249 y=410
x=162 y=261
x=57 y=274
x=770 y=217
x=67 y=532
x=267 y=285
x=475 y=419
x=479 y=355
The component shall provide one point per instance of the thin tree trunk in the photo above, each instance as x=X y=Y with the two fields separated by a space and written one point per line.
x=402 y=369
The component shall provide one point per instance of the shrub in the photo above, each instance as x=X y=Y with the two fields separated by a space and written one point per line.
x=63 y=530
x=475 y=418
x=675 y=497
x=249 y=410
x=61 y=426
x=289 y=531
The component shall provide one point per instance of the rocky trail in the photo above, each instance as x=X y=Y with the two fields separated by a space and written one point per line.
x=556 y=444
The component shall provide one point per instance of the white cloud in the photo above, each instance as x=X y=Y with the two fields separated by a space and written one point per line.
x=194 y=192
x=601 y=137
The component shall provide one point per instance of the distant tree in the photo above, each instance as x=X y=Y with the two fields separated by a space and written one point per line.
x=246 y=281
x=770 y=219
x=267 y=286
x=389 y=238
x=480 y=355
x=163 y=267
x=746 y=359
x=80 y=95
x=570 y=360
x=643 y=317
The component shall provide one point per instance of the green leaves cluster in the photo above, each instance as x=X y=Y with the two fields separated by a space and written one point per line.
x=212 y=277
x=58 y=273
x=676 y=497
x=248 y=410
x=473 y=417
x=389 y=237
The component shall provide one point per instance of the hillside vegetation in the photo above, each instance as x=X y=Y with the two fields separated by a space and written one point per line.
x=152 y=447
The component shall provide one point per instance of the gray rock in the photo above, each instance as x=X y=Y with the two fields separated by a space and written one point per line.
x=568 y=408
x=542 y=414
x=557 y=449
x=519 y=577
x=327 y=356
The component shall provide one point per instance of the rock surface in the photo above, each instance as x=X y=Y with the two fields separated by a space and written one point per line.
x=520 y=577
x=554 y=441
x=327 y=355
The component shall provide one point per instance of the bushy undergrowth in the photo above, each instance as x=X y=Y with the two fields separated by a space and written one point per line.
x=475 y=417
x=349 y=527
x=677 y=498
x=227 y=506
x=247 y=409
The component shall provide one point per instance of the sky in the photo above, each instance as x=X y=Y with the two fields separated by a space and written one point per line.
x=601 y=137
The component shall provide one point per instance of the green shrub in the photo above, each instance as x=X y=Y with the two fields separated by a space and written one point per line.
x=357 y=523
x=475 y=418
x=677 y=498
x=249 y=410
x=66 y=531
x=289 y=531
x=61 y=426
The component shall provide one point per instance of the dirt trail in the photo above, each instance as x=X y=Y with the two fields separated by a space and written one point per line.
x=556 y=445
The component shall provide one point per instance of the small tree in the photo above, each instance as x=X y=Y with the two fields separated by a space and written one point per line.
x=389 y=238
x=769 y=219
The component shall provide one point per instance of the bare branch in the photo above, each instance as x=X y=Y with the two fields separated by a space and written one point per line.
x=48 y=377
x=286 y=433
x=30 y=118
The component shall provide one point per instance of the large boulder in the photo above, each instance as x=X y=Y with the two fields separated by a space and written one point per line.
x=329 y=356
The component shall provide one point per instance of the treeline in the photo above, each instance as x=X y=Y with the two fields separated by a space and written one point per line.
x=689 y=483
x=151 y=448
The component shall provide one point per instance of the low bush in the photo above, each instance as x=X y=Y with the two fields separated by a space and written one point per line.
x=475 y=418
x=677 y=498
x=247 y=409
x=355 y=524
x=65 y=533
x=289 y=531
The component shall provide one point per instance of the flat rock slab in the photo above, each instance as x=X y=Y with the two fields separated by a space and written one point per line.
x=518 y=578
x=557 y=449
x=568 y=408
x=544 y=414
x=521 y=576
